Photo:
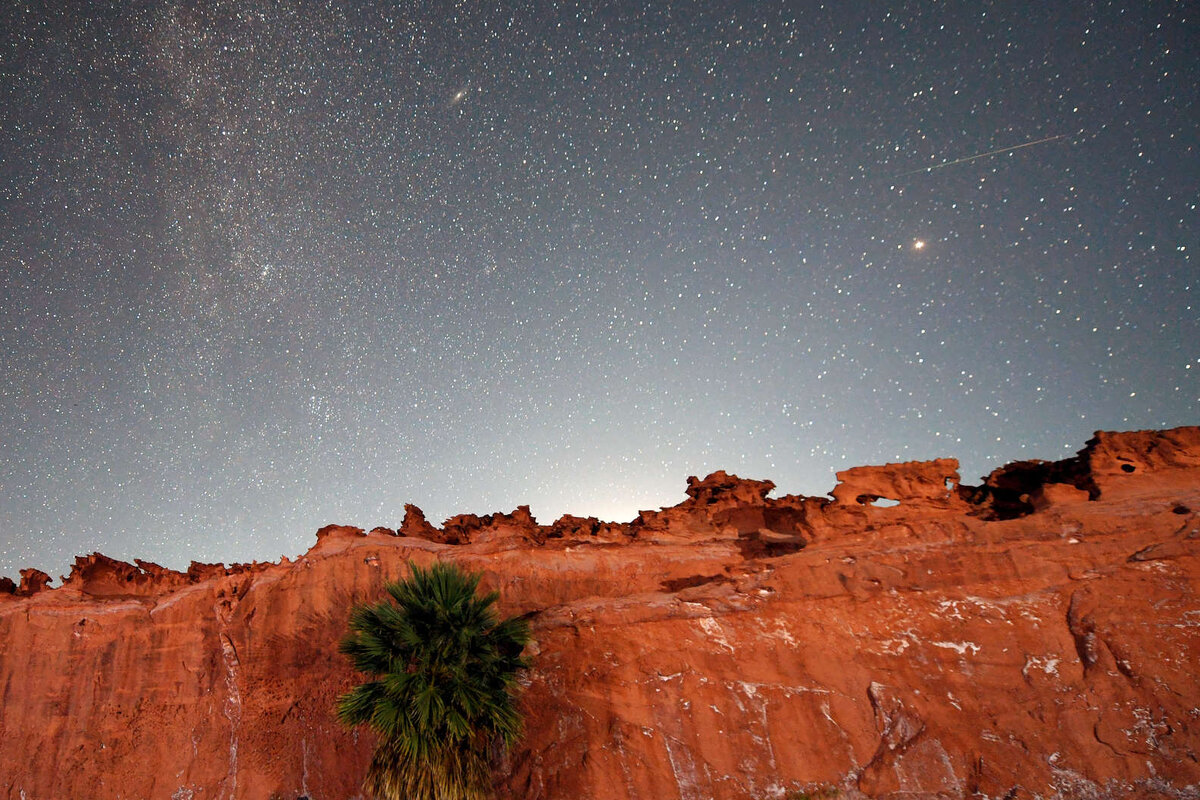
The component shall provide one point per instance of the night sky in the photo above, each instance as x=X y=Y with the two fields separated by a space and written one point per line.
x=266 y=266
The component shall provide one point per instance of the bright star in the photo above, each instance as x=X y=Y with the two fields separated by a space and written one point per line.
x=918 y=244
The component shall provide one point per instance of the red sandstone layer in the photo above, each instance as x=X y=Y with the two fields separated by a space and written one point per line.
x=1036 y=636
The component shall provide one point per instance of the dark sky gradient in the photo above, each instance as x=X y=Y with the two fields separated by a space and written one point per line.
x=267 y=266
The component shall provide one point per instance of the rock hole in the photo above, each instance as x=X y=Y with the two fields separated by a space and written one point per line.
x=1181 y=510
x=676 y=584
x=1128 y=468
x=876 y=501
x=769 y=544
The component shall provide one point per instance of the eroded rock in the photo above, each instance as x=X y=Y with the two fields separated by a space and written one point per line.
x=417 y=526
x=1033 y=637
x=914 y=483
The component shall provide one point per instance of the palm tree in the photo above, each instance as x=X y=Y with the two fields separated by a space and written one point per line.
x=442 y=693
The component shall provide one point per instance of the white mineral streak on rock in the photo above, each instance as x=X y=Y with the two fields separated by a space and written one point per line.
x=959 y=647
x=233 y=705
x=713 y=628
x=683 y=767
x=1046 y=664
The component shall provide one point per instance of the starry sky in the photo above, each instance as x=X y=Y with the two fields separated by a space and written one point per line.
x=266 y=265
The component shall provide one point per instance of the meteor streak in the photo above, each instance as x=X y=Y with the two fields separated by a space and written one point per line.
x=981 y=155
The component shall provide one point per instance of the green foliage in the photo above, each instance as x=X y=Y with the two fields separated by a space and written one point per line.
x=442 y=690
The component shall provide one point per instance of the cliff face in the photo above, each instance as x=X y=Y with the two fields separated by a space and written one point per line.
x=1037 y=636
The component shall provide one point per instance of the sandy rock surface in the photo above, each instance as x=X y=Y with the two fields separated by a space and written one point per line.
x=1035 y=636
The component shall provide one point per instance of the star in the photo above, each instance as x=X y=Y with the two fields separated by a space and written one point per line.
x=499 y=262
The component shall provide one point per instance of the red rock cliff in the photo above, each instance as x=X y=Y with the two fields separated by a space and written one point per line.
x=1036 y=636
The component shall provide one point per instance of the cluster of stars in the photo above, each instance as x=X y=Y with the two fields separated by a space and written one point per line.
x=267 y=268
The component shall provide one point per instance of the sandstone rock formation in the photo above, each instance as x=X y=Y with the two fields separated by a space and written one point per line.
x=1035 y=636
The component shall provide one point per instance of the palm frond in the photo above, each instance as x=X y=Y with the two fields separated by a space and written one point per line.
x=444 y=671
